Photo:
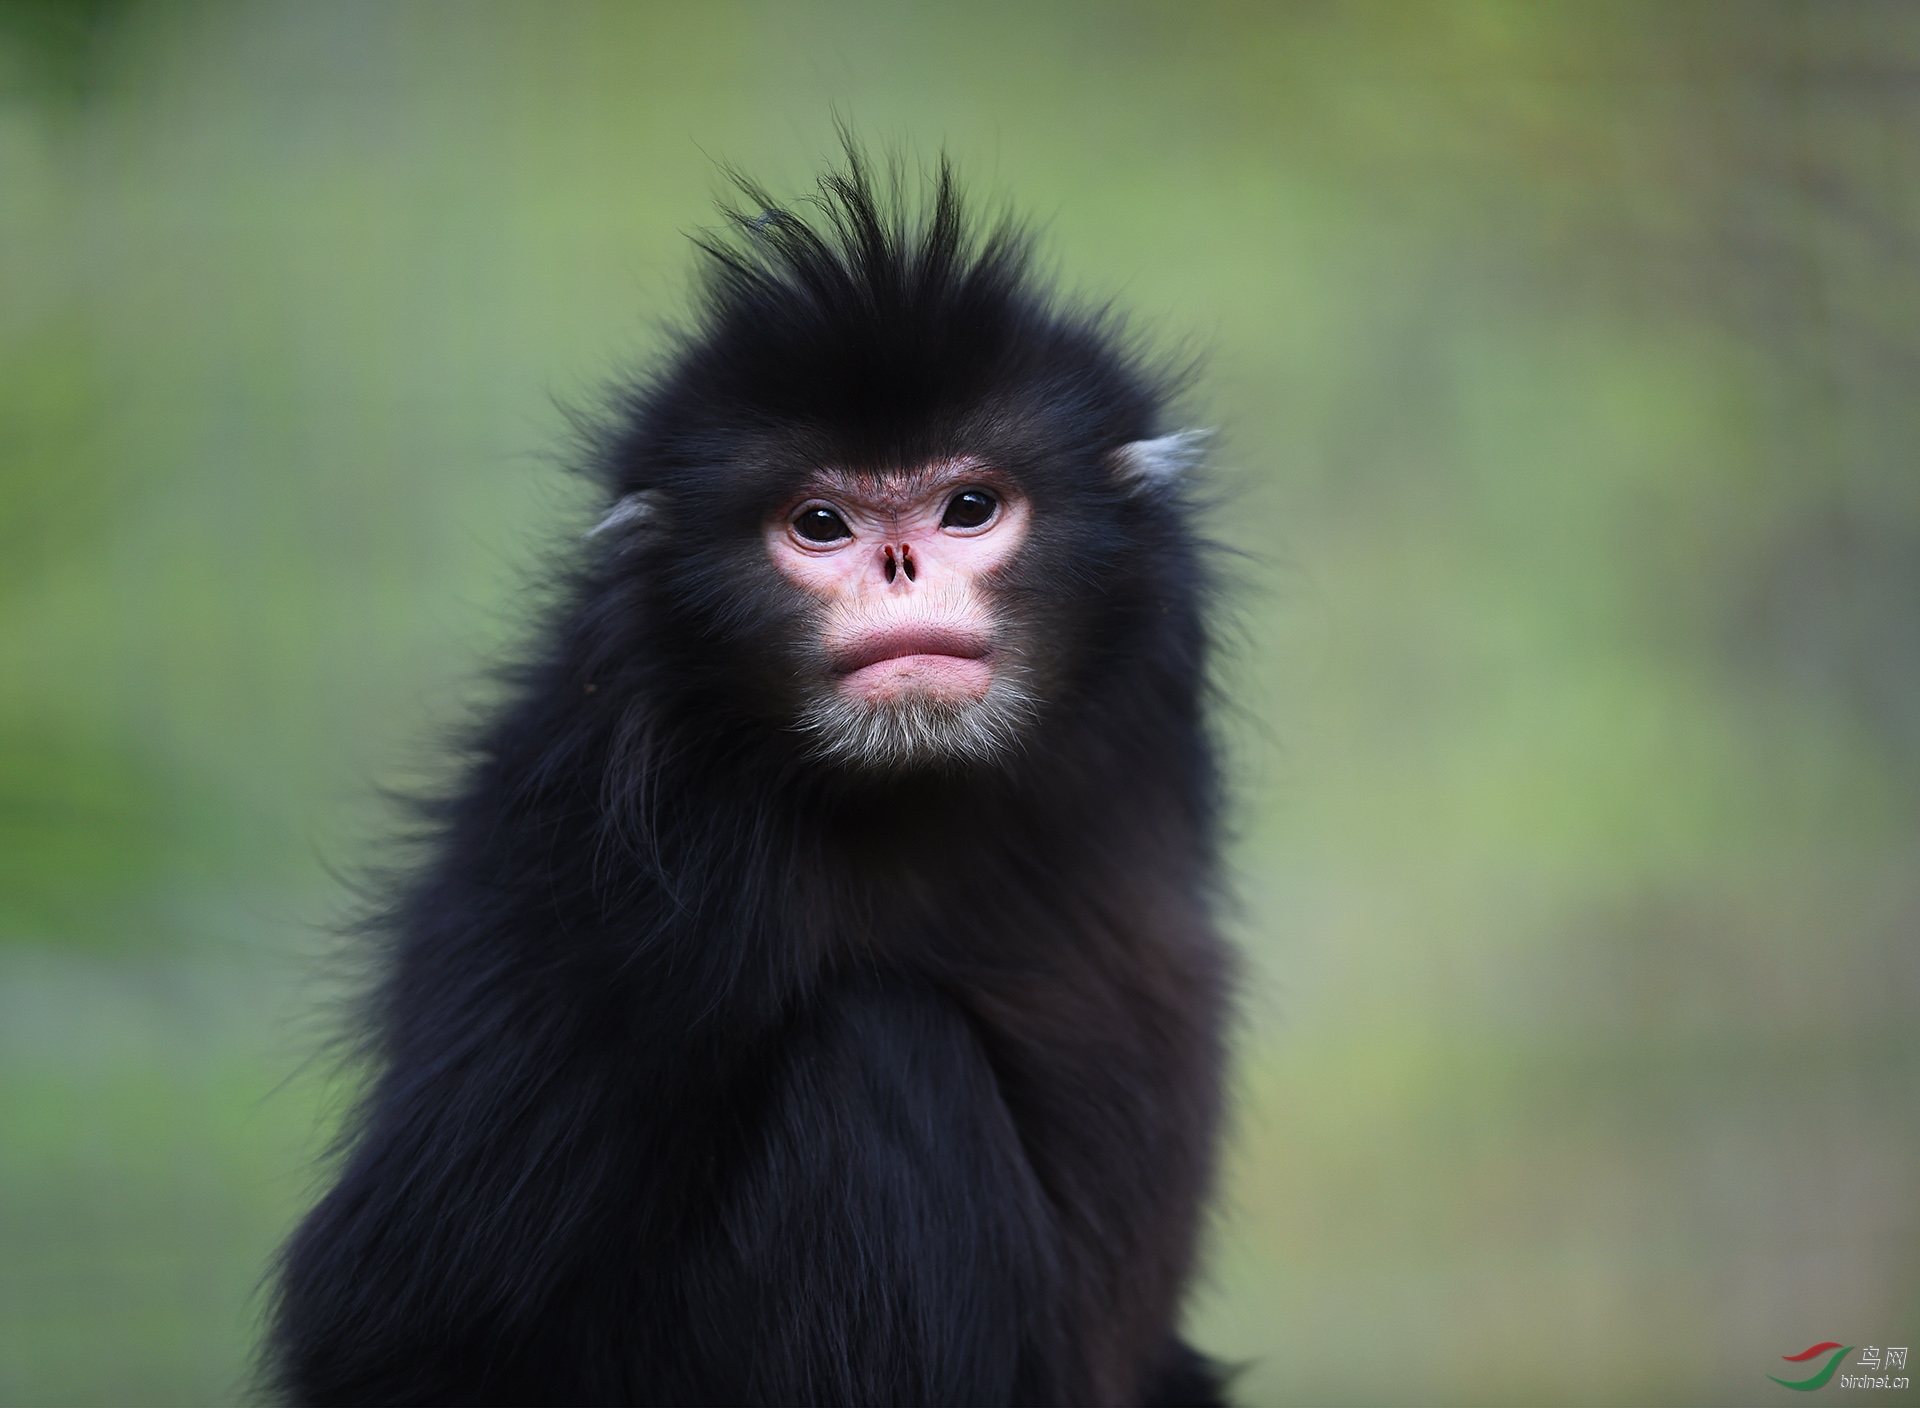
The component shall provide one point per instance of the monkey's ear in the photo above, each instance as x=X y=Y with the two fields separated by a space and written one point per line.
x=1149 y=464
x=636 y=510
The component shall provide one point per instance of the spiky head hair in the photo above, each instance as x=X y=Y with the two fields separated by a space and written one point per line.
x=851 y=323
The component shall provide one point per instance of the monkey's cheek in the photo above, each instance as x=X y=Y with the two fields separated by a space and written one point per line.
x=947 y=678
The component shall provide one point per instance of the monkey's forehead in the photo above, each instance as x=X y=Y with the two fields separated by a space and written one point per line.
x=751 y=462
x=900 y=485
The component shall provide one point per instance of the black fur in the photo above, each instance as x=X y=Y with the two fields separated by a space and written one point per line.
x=710 y=1073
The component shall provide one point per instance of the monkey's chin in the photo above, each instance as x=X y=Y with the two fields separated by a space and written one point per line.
x=904 y=729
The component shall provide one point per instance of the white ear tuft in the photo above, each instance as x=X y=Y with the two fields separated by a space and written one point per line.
x=1148 y=464
x=634 y=511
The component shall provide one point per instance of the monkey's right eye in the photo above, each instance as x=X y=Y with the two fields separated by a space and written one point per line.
x=818 y=524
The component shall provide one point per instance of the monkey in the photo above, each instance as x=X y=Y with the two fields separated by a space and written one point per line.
x=809 y=990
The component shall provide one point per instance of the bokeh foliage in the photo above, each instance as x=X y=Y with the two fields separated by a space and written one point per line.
x=1564 y=359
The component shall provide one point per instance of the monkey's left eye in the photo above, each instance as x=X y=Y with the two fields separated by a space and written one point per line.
x=970 y=508
x=818 y=524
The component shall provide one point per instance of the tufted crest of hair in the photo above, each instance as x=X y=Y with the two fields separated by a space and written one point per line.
x=876 y=326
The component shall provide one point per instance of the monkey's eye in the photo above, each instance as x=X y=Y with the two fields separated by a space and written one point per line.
x=970 y=508
x=819 y=524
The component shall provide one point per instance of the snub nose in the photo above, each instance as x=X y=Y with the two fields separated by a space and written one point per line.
x=894 y=565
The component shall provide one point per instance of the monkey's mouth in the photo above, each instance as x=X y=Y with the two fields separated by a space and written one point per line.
x=940 y=662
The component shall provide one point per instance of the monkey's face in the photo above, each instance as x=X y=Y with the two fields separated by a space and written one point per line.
x=909 y=664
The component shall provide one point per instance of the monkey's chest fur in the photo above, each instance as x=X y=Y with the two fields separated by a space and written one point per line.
x=994 y=1106
x=1043 y=1125
x=884 y=1140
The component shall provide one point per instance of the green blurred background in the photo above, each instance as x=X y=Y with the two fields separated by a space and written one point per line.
x=1565 y=359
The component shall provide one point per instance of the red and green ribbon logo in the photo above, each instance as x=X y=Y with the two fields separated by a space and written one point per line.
x=1819 y=1379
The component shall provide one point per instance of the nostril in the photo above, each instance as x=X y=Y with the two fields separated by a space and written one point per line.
x=906 y=561
x=888 y=565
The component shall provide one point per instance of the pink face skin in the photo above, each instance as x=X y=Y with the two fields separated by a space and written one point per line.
x=900 y=566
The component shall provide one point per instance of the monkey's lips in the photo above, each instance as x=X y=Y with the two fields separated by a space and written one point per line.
x=938 y=661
